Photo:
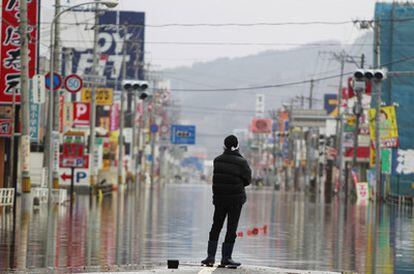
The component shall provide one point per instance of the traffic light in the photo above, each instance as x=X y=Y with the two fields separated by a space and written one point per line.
x=136 y=86
x=362 y=76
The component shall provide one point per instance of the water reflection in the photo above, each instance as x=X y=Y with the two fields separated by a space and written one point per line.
x=146 y=226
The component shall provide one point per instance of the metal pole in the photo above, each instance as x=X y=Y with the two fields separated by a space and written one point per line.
x=311 y=94
x=25 y=101
x=121 y=116
x=153 y=134
x=92 y=119
x=50 y=115
x=378 y=86
x=12 y=140
x=134 y=122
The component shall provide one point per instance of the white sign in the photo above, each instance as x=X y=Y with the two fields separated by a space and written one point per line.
x=405 y=160
x=260 y=105
x=97 y=158
x=128 y=135
x=81 y=176
x=55 y=145
x=362 y=193
x=38 y=89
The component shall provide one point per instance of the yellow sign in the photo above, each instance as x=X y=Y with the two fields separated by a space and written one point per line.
x=104 y=96
x=388 y=128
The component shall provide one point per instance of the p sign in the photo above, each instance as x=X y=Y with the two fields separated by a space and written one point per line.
x=81 y=176
x=81 y=113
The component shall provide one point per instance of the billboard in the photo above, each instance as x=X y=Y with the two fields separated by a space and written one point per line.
x=388 y=129
x=10 y=47
x=261 y=125
x=116 y=27
x=331 y=104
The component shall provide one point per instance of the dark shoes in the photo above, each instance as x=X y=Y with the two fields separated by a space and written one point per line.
x=211 y=254
x=226 y=260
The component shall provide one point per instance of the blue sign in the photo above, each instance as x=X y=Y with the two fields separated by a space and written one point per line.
x=183 y=135
x=116 y=28
x=57 y=81
x=154 y=128
x=331 y=104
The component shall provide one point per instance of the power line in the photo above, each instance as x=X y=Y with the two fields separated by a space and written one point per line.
x=253 y=24
x=264 y=87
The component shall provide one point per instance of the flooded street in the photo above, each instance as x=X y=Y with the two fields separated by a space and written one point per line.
x=149 y=226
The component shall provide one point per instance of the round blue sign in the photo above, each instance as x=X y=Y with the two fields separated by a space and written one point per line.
x=57 y=81
x=154 y=128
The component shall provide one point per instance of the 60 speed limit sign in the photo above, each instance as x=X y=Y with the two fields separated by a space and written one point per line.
x=73 y=83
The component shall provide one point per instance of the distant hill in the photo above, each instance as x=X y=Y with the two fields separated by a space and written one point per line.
x=218 y=113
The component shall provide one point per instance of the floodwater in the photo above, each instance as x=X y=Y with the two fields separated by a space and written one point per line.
x=149 y=226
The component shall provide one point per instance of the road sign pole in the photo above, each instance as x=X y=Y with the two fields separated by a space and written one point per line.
x=72 y=184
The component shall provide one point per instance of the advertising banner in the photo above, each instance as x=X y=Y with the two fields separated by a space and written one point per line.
x=104 y=96
x=10 y=47
x=331 y=104
x=260 y=125
x=119 y=26
x=114 y=116
x=388 y=126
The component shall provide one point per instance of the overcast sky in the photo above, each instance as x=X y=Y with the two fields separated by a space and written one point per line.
x=235 y=11
x=242 y=11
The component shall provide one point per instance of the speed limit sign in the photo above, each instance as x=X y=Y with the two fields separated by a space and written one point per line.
x=73 y=83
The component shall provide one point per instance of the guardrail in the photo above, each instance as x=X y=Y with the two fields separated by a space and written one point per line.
x=6 y=196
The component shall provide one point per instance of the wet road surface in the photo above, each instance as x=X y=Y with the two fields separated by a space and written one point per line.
x=148 y=226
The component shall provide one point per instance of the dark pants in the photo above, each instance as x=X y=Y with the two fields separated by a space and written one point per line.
x=232 y=211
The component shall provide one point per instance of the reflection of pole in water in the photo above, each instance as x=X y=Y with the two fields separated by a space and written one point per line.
x=21 y=256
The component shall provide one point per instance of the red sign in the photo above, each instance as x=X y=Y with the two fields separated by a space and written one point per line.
x=81 y=113
x=10 y=47
x=61 y=111
x=5 y=128
x=260 y=125
x=72 y=150
x=73 y=83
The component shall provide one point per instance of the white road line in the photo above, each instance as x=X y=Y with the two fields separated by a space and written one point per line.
x=207 y=270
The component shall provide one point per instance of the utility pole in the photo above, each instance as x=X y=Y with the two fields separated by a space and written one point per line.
x=274 y=115
x=339 y=124
x=121 y=116
x=357 y=111
x=56 y=95
x=92 y=119
x=343 y=58
x=378 y=86
x=25 y=99
x=311 y=94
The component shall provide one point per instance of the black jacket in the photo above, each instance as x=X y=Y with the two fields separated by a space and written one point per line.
x=231 y=174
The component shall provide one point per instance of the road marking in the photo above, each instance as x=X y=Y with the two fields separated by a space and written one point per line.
x=207 y=270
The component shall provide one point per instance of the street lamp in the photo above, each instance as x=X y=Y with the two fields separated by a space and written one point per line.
x=107 y=3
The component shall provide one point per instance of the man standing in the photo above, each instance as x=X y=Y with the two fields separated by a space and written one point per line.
x=230 y=176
